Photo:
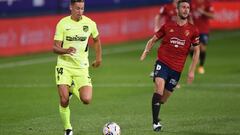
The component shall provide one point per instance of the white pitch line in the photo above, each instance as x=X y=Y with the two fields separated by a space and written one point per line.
x=122 y=49
x=127 y=85
x=52 y=59
x=132 y=85
x=27 y=62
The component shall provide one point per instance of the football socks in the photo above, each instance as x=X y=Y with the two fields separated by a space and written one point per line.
x=202 y=58
x=156 y=104
x=65 y=116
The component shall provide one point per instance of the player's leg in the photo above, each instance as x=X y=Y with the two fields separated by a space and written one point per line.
x=160 y=75
x=83 y=86
x=156 y=98
x=63 y=91
x=202 y=58
x=165 y=87
x=170 y=84
x=203 y=47
x=86 y=94
x=156 y=102
x=165 y=96
x=64 y=109
x=63 y=81
x=157 y=125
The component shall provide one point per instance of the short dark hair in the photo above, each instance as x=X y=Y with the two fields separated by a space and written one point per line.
x=181 y=1
x=73 y=1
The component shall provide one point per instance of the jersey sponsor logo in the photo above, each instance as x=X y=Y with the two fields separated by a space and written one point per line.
x=85 y=28
x=177 y=42
x=75 y=38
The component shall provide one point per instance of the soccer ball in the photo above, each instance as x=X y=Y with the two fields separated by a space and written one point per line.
x=111 y=128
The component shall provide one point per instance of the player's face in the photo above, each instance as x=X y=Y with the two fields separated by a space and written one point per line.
x=77 y=9
x=183 y=10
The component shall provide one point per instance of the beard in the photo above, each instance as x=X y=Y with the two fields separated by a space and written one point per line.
x=183 y=17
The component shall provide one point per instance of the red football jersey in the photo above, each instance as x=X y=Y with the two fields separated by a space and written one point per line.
x=176 y=43
x=168 y=12
x=201 y=21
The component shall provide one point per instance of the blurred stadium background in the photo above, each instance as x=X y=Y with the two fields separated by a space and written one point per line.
x=122 y=87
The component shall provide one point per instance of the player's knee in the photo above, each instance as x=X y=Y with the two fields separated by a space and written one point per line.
x=160 y=92
x=86 y=100
x=64 y=102
x=163 y=101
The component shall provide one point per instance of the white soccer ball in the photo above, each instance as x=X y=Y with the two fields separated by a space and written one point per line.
x=111 y=128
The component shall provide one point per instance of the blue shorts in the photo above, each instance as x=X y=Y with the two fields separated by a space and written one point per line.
x=204 y=38
x=170 y=76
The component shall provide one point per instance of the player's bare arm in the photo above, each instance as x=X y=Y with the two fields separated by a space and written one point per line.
x=57 y=48
x=206 y=13
x=191 y=73
x=98 y=50
x=148 y=47
x=157 y=22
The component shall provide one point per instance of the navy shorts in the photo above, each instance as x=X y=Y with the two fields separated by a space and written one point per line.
x=204 y=38
x=170 y=76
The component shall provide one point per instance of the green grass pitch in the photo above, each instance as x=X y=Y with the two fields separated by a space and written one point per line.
x=122 y=93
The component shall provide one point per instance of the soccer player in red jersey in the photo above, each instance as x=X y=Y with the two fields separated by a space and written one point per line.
x=202 y=11
x=177 y=38
x=166 y=13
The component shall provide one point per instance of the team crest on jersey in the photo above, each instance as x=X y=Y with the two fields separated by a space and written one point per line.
x=85 y=28
x=187 y=32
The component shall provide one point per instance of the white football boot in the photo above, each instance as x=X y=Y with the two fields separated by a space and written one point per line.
x=157 y=127
x=68 y=132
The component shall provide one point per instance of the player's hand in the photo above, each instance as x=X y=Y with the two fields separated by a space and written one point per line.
x=144 y=55
x=200 y=10
x=71 y=50
x=96 y=63
x=190 y=77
